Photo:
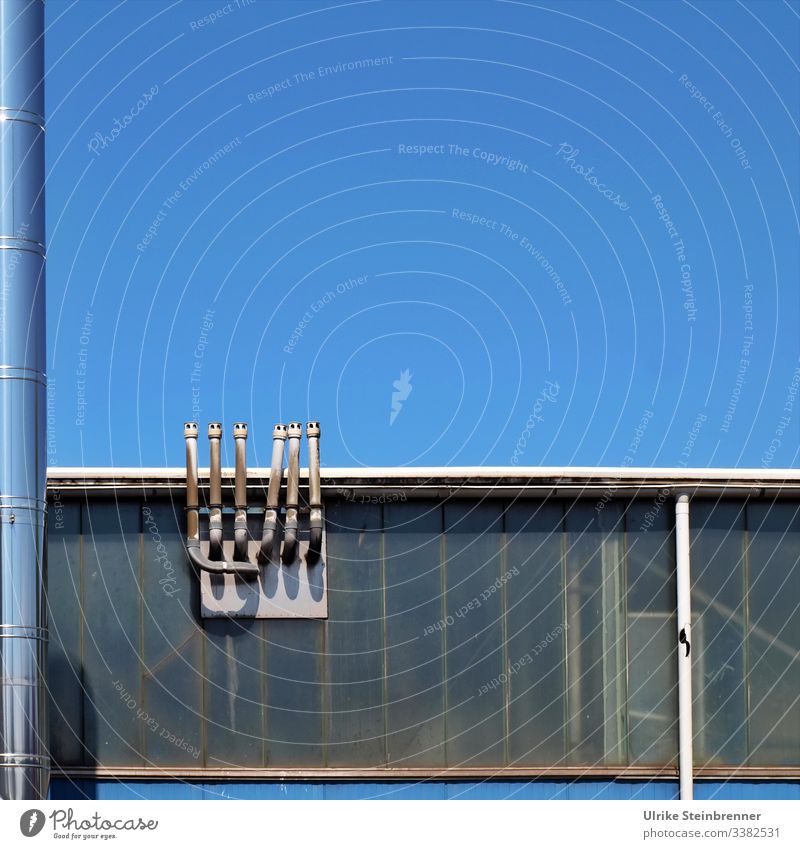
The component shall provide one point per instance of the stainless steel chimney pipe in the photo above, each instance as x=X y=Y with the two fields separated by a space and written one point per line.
x=270 y=529
x=24 y=760
x=245 y=569
x=314 y=493
x=294 y=432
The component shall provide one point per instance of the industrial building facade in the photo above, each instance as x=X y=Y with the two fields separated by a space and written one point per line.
x=528 y=633
x=491 y=633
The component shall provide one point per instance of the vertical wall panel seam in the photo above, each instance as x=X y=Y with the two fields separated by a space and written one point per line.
x=142 y=657
x=82 y=629
x=504 y=624
x=565 y=615
x=203 y=692
x=443 y=584
x=746 y=628
x=263 y=690
x=325 y=701
x=624 y=584
x=384 y=627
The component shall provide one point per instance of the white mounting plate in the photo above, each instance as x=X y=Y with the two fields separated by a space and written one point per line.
x=296 y=591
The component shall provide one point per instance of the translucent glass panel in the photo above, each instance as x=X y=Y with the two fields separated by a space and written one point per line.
x=415 y=622
x=746 y=604
x=356 y=642
x=113 y=731
x=171 y=643
x=773 y=557
x=295 y=692
x=235 y=693
x=718 y=629
x=535 y=633
x=65 y=661
x=462 y=633
x=650 y=602
x=474 y=589
x=595 y=619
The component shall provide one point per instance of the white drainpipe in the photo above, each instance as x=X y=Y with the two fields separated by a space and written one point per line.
x=684 y=647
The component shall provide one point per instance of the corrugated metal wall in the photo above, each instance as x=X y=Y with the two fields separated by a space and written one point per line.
x=462 y=633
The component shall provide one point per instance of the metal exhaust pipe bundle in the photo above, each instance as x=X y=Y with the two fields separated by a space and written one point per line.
x=270 y=530
x=294 y=432
x=240 y=493
x=314 y=494
x=241 y=565
x=216 y=565
x=24 y=754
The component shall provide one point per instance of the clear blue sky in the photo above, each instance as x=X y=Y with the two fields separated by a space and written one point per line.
x=574 y=226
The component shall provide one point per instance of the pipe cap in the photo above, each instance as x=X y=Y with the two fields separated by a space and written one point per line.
x=295 y=430
x=279 y=431
x=240 y=430
x=214 y=430
x=190 y=430
x=312 y=429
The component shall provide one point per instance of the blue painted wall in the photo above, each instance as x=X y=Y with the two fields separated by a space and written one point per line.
x=542 y=790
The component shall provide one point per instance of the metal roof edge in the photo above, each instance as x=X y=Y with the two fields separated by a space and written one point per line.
x=127 y=476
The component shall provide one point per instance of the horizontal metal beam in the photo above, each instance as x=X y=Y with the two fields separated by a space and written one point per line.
x=442 y=473
x=453 y=482
x=668 y=773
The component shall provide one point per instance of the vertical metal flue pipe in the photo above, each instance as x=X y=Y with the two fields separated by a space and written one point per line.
x=684 y=609
x=314 y=493
x=240 y=534
x=270 y=529
x=294 y=432
x=24 y=761
x=192 y=494
x=215 y=493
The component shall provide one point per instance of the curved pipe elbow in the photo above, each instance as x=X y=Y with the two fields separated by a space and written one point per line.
x=240 y=540
x=268 y=537
x=315 y=523
x=215 y=544
x=290 y=543
x=314 y=544
x=267 y=545
x=220 y=567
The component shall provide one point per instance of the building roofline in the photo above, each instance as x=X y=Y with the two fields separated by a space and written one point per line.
x=472 y=479
x=442 y=472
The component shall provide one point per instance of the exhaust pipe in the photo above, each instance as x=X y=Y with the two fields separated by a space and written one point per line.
x=216 y=566
x=270 y=529
x=192 y=499
x=215 y=493
x=314 y=494
x=240 y=534
x=24 y=753
x=294 y=432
